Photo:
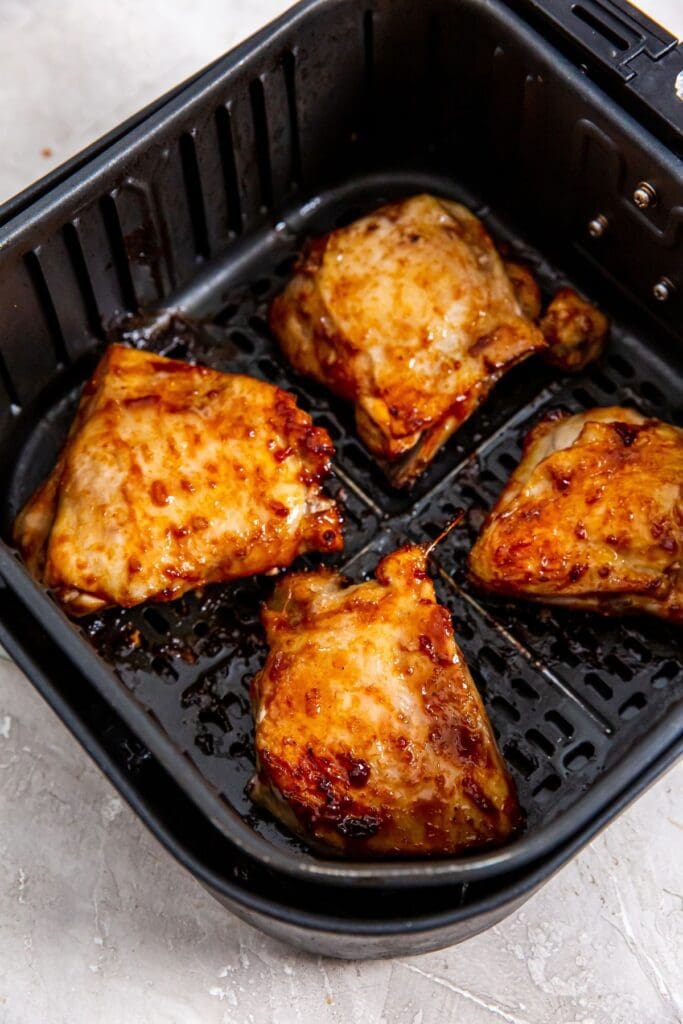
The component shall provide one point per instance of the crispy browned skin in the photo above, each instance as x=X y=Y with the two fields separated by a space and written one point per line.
x=371 y=737
x=575 y=330
x=174 y=476
x=409 y=314
x=526 y=289
x=592 y=517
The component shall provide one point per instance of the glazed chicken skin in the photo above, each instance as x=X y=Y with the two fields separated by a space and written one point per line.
x=174 y=476
x=371 y=737
x=591 y=518
x=575 y=331
x=411 y=314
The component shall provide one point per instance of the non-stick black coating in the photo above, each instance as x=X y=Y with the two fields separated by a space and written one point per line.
x=568 y=693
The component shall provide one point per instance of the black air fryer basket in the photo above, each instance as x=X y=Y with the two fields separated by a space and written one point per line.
x=546 y=120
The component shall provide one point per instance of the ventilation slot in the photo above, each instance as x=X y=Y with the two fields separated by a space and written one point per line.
x=494 y=659
x=579 y=757
x=226 y=148
x=584 y=398
x=75 y=250
x=631 y=707
x=112 y=225
x=289 y=68
x=621 y=365
x=269 y=369
x=35 y=272
x=523 y=688
x=651 y=393
x=563 y=653
x=258 y=112
x=564 y=727
x=522 y=762
x=602 y=381
x=669 y=671
x=165 y=669
x=540 y=741
x=432 y=51
x=617 y=667
x=195 y=198
x=243 y=341
x=639 y=650
x=156 y=620
x=258 y=324
x=506 y=709
x=261 y=287
x=507 y=461
x=606 y=31
x=546 y=788
x=368 y=67
x=599 y=685
x=8 y=384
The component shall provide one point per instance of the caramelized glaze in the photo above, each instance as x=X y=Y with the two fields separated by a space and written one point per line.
x=371 y=737
x=174 y=476
x=408 y=313
x=592 y=517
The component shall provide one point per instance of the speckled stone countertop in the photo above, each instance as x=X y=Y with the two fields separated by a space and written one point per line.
x=97 y=922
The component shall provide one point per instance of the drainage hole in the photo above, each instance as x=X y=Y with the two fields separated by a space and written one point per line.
x=631 y=707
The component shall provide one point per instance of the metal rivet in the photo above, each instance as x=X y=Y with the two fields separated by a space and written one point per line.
x=663 y=289
x=645 y=195
x=597 y=226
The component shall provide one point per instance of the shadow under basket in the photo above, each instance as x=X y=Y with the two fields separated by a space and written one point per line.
x=200 y=206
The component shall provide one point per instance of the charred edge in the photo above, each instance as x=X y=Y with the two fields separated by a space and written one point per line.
x=226 y=148
x=260 y=118
x=35 y=272
x=195 y=195
x=112 y=225
x=359 y=827
x=75 y=251
x=628 y=432
x=289 y=70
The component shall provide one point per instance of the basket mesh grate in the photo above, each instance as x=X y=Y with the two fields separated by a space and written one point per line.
x=567 y=692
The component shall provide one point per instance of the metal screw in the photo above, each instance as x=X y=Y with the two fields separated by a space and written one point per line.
x=663 y=289
x=645 y=195
x=678 y=86
x=597 y=226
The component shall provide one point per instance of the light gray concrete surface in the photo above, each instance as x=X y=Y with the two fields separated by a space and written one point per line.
x=97 y=922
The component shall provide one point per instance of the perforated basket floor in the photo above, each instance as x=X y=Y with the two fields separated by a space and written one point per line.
x=570 y=695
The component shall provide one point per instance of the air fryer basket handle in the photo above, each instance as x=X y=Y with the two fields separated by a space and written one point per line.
x=640 y=61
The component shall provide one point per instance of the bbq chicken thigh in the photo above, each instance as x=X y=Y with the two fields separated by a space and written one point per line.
x=371 y=738
x=408 y=313
x=174 y=476
x=411 y=314
x=592 y=517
